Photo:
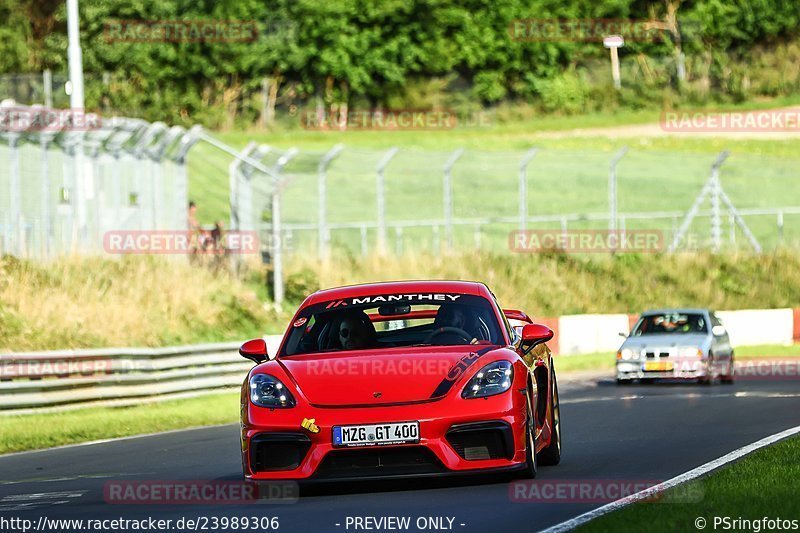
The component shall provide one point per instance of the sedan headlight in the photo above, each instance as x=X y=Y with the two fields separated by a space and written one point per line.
x=626 y=354
x=492 y=379
x=690 y=351
x=268 y=391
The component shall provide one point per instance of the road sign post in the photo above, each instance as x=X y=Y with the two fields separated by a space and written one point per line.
x=613 y=42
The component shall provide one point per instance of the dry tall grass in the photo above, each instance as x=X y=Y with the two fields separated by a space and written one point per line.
x=146 y=301
x=134 y=301
x=555 y=284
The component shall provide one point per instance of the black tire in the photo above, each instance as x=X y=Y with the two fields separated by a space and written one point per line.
x=728 y=378
x=709 y=379
x=624 y=381
x=531 y=466
x=551 y=455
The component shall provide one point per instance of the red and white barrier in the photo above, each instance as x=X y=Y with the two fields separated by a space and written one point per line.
x=581 y=334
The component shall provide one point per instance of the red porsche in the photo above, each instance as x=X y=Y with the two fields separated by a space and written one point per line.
x=415 y=378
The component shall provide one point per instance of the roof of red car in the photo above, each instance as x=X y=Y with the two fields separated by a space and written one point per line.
x=392 y=287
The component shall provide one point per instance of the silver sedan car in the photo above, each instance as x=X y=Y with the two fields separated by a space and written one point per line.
x=676 y=344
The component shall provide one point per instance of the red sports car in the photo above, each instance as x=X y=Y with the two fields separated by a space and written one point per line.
x=416 y=378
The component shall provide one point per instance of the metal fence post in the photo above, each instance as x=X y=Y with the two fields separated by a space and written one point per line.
x=277 y=245
x=180 y=155
x=612 y=193
x=710 y=187
x=448 y=196
x=235 y=175
x=523 y=187
x=716 y=220
x=323 y=240
x=381 y=198
x=15 y=196
x=92 y=146
x=45 y=138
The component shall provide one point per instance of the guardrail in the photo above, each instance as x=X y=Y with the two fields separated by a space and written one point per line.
x=75 y=378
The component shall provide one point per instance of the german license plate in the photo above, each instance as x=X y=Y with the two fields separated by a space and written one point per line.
x=376 y=434
x=661 y=366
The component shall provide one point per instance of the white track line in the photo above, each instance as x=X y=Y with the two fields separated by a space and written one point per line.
x=572 y=523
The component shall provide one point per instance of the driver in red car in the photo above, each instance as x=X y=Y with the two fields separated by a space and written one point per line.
x=356 y=332
x=454 y=316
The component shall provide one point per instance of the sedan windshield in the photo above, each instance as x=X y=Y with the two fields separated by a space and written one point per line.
x=389 y=321
x=671 y=323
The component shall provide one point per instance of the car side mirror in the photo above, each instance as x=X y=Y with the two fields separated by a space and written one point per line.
x=535 y=334
x=718 y=331
x=623 y=335
x=255 y=350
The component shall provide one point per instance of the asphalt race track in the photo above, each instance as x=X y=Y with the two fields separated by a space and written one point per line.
x=638 y=432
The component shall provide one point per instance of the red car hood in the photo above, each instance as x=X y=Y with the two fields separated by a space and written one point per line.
x=394 y=375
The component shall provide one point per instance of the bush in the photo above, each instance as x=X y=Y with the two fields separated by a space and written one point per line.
x=566 y=92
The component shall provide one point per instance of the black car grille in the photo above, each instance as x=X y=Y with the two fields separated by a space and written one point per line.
x=278 y=451
x=379 y=461
x=482 y=440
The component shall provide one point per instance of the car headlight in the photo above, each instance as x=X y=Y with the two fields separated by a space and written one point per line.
x=690 y=351
x=268 y=391
x=492 y=379
x=627 y=354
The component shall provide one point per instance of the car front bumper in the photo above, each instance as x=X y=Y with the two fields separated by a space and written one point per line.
x=689 y=368
x=456 y=435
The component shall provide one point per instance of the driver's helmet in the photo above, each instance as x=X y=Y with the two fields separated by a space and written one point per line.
x=452 y=316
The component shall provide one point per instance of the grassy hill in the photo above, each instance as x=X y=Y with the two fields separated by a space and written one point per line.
x=147 y=301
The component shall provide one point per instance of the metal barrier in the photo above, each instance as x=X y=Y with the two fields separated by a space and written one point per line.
x=78 y=378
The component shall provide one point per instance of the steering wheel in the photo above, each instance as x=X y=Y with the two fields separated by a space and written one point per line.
x=466 y=337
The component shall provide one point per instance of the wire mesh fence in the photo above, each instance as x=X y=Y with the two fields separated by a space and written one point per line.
x=398 y=200
x=62 y=188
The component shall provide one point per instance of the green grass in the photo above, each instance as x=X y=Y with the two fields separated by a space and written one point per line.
x=762 y=484
x=584 y=362
x=35 y=431
x=767 y=351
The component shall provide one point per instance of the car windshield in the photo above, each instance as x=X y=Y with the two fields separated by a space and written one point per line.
x=671 y=323
x=388 y=321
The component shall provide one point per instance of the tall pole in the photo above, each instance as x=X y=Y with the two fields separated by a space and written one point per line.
x=83 y=191
x=75 y=56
